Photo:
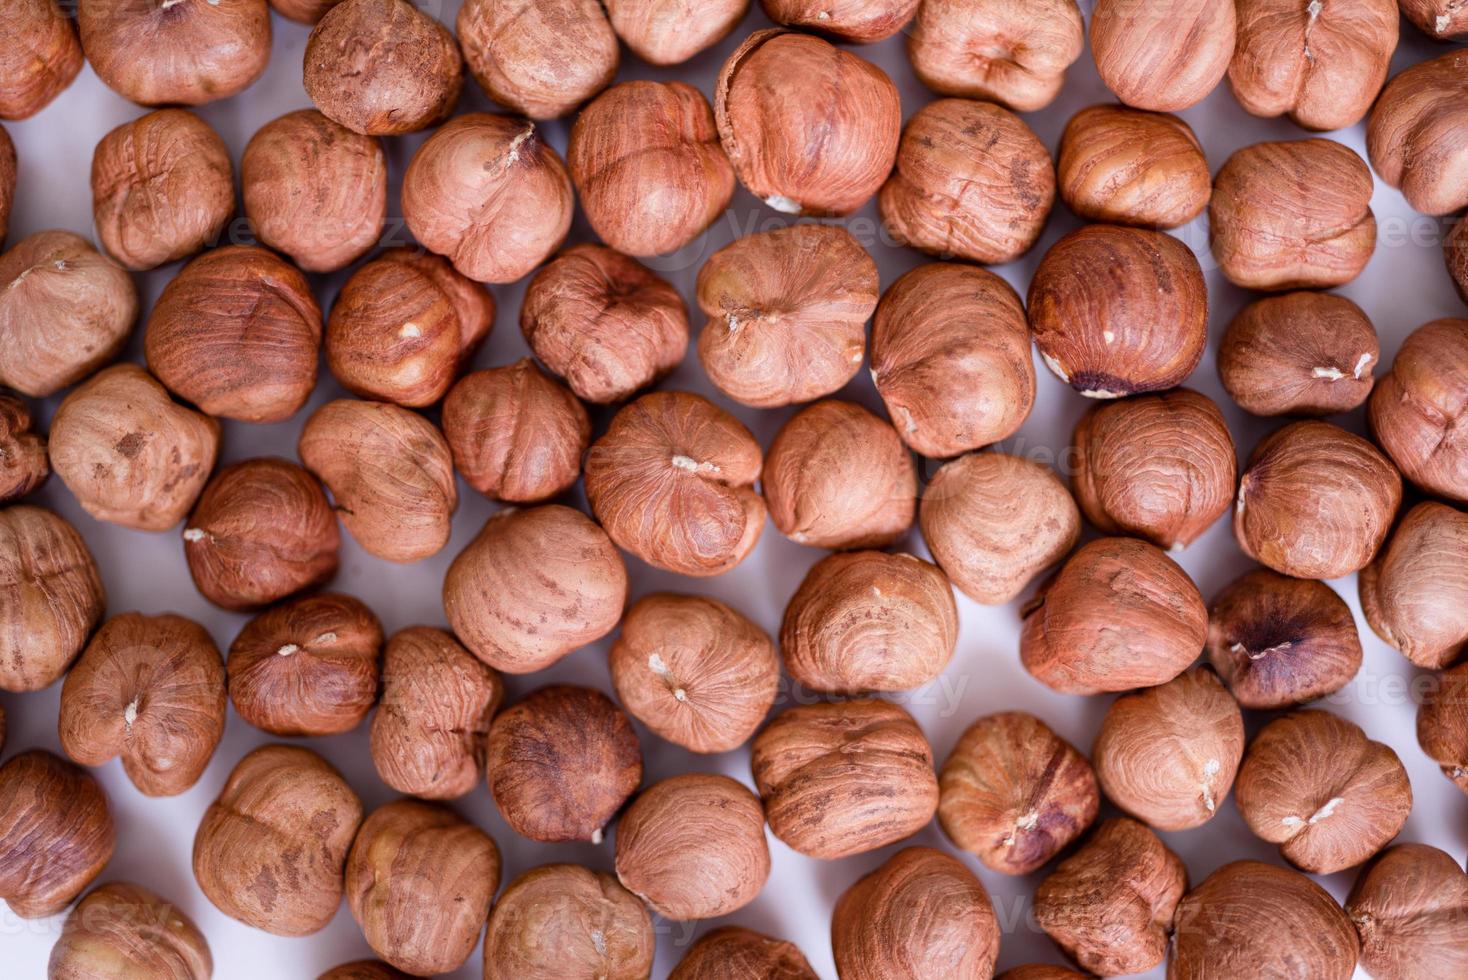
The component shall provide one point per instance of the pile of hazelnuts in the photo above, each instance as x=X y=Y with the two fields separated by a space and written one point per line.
x=1118 y=310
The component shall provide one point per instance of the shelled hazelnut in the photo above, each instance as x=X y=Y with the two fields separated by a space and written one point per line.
x=1414 y=136
x=1302 y=353
x=1410 y=908
x=854 y=21
x=56 y=833
x=1415 y=594
x=125 y=931
x=542 y=59
x=1455 y=251
x=8 y=165
x=1131 y=167
x=34 y=73
x=51 y=596
x=307 y=12
x=2 y=728
x=1439 y=19
x=566 y=922
x=364 y=970
x=734 y=952
x=1442 y=724
x=1419 y=411
x=24 y=463
x=661 y=33
x=1162 y=56
x=1042 y=971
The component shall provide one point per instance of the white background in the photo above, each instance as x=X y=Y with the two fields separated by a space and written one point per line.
x=1404 y=286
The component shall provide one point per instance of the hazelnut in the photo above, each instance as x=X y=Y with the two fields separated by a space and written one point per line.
x=50 y=597
x=362 y=969
x=390 y=473
x=1119 y=614
x=56 y=833
x=1034 y=971
x=1140 y=327
x=490 y=194
x=1167 y=755
x=314 y=189
x=1162 y=56
x=566 y=922
x=787 y=314
x=162 y=188
x=24 y=464
x=1414 y=135
x=437 y=701
x=1418 y=413
x=65 y=310
x=1455 y=250
x=1410 y=908
x=129 y=453
x=419 y=882
x=1282 y=519
x=972 y=182
x=382 y=67
x=126 y=932
x=642 y=208
x=1013 y=53
x=1442 y=724
x=856 y=21
x=1131 y=167
x=869 y=621
x=672 y=481
x=8 y=164
x=1438 y=19
x=42 y=60
x=516 y=435
x=307 y=12
x=693 y=847
x=1161 y=467
x=187 y=52
x=149 y=689
x=844 y=778
x=951 y=358
x=271 y=849
x=1415 y=594
x=920 y=914
x=1110 y=904
x=533 y=586
x=810 y=128
x=662 y=33
x=540 y=59
x=1302 y=353
x=238 y=333
x=561 y=762
x=737 y=953
x=604 y=322
x=308 y=666
x=694 y=671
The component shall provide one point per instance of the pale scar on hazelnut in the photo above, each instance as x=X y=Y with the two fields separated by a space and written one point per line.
x=1323 y=813
x=659 y=666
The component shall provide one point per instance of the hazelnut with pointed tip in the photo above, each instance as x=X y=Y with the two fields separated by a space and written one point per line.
x=1013 y=52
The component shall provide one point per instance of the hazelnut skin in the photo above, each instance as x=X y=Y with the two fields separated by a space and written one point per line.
x=126 y=932
x=1438 y=19
x=1279 y=519
x=1415 y=594
x=51 y=597
x=694 y=671
x=8 y=164
x=162 y=188
x=1042 y=971
x=693 y=847
x=56 y=833
x=736 y=953
x=419 y=882
x=951 y=358
x=363 y=970
x=1410 y=908
x=36 y=71
x=1130 y=167
x=1162 y=56
x=787 y=314
x=1415 y=134
x=566 y=922
x=561 y=762
x=844 y=778
x=1455 y=251
x=307 y=12
x=1442 y=724
x=308 y=666
x=533 y=586
x=1014 y=793
x=1302 y=353
x=130 y=454
x=1419 y=413
x=24 y=463
x=810 y=128
x=662 y=33
x=855 y=21
x=672 y=481
x=539 y=59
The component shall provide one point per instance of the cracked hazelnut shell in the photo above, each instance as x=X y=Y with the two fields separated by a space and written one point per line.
x=36 y=71
x=24 y=463
x=56 y=833
x=1415 y=594
x=1441 y=20
x=1442 y=724
x=853 y=21
x=1163 y=56
x=51 y=596
x=126 y=932
x=540 y=59
x=1410 y=908
x=663 y=33
x=735 y=953
x=1131 y=167
x=1415 y=135
x=363 y=970
x=1419 y=410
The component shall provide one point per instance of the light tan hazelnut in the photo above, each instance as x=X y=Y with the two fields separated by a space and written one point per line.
x=540 y=58
x=856 y=21
x=307 y=12
x=34 y=72
x=51 y=597
x=737 y=953
x=8 y=165
x=1438 y=19
x=1415 y=594
x=1131 y=167
x=56 y=833
x=1302 y=353
x=24 y=463
x=669 y=32
x=1442 y=724
x=566 y=922
x=126 y=932
x=1415 y=136
x=1419 y=411
x=1410 y=908
x=1013 y=52
x=1455 y=251
x=1162 y=55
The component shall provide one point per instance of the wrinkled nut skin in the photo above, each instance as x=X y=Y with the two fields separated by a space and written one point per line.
x=920 y=914
x=1442 y=724
x=1302 y=353
x=787 y=314
x=1438 y=19
x=51 y=596
x=1131 y=167
x=693 y=847
x=24 y=463
x=1455 y=250
x=1415 y=594
x=855 y=21
x=126 y=932
x=56 y=833
x=36 y=70
x=736 y=953
x=810 y=128
x=540 y=58
x=1042 y=971
x=1410 y=908
x=128 y=452
x=844 y=778
x=364 y=970
x=162 y=188
x=1014 y=793
x=1415 y=136
x=951 y=359
x=1419 y=410
x=669 y=32
x=566 y=922
x=694 y=671
x=533 y=586
x=1163 y=56
x=8 y=164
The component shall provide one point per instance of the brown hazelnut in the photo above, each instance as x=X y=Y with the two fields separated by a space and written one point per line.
x=8 y=164
x=1160 y=467
x=1438 y=19
x=1418 y=413
x=1410 y=908
x=516 y=435
x=972 y=182
x=1110 y=904
x=1141 y=327
x=390 y=473
x=1167 y=755
x=56 y=833
x=490 y=194
x=1442 y=724
x=364 y=970
x=42 y=60
x=694 y=671
x=844 y=778
x=533 y=586
x=951 y=358
x=1415 y=134
x=419 y=882
x=856 y=21
x=303 y=12
x=1033 y=971
x=383 y=67
x=1014 y=53
x=50 y=597
x=672 y=481
x=1162 y=56
x=238 y=333
x=920 y=914
x=308 y=666
x=1131 y=167
x=566 y=922
x=787 y=314
x=693 y=847
x=1455 y=251
x=810 y=128
x=540 y=59
x=314 y=189
x=129 y=453
x=737 y=953
x=663 y=33
x=1315 y=501
x=24 y=463
x=162 y=188
x=65 y=310
x=271 y=849
x=1415 y=594
x=126 y=932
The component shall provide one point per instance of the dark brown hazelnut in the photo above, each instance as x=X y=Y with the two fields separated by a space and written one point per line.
x=1419 y=412
x=856 y=21
x=566 y=922
x=42 y=60
x=1455 y=249
x=363 y=969
x=126 y=932
x=662 y=33
x=304 y=12
x=8 y=164
x=540 y=59
x=1415 y=136
x=56 y=833
x=1031 y=971
x=1131 y=167
x=1442 y=724
x=1012 y=53
x=50 y=597
x=737 y=953
x=1164 y=55
x=1410 y=908
x=24 y=463
x=1415 y=594
x=1439 y=19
